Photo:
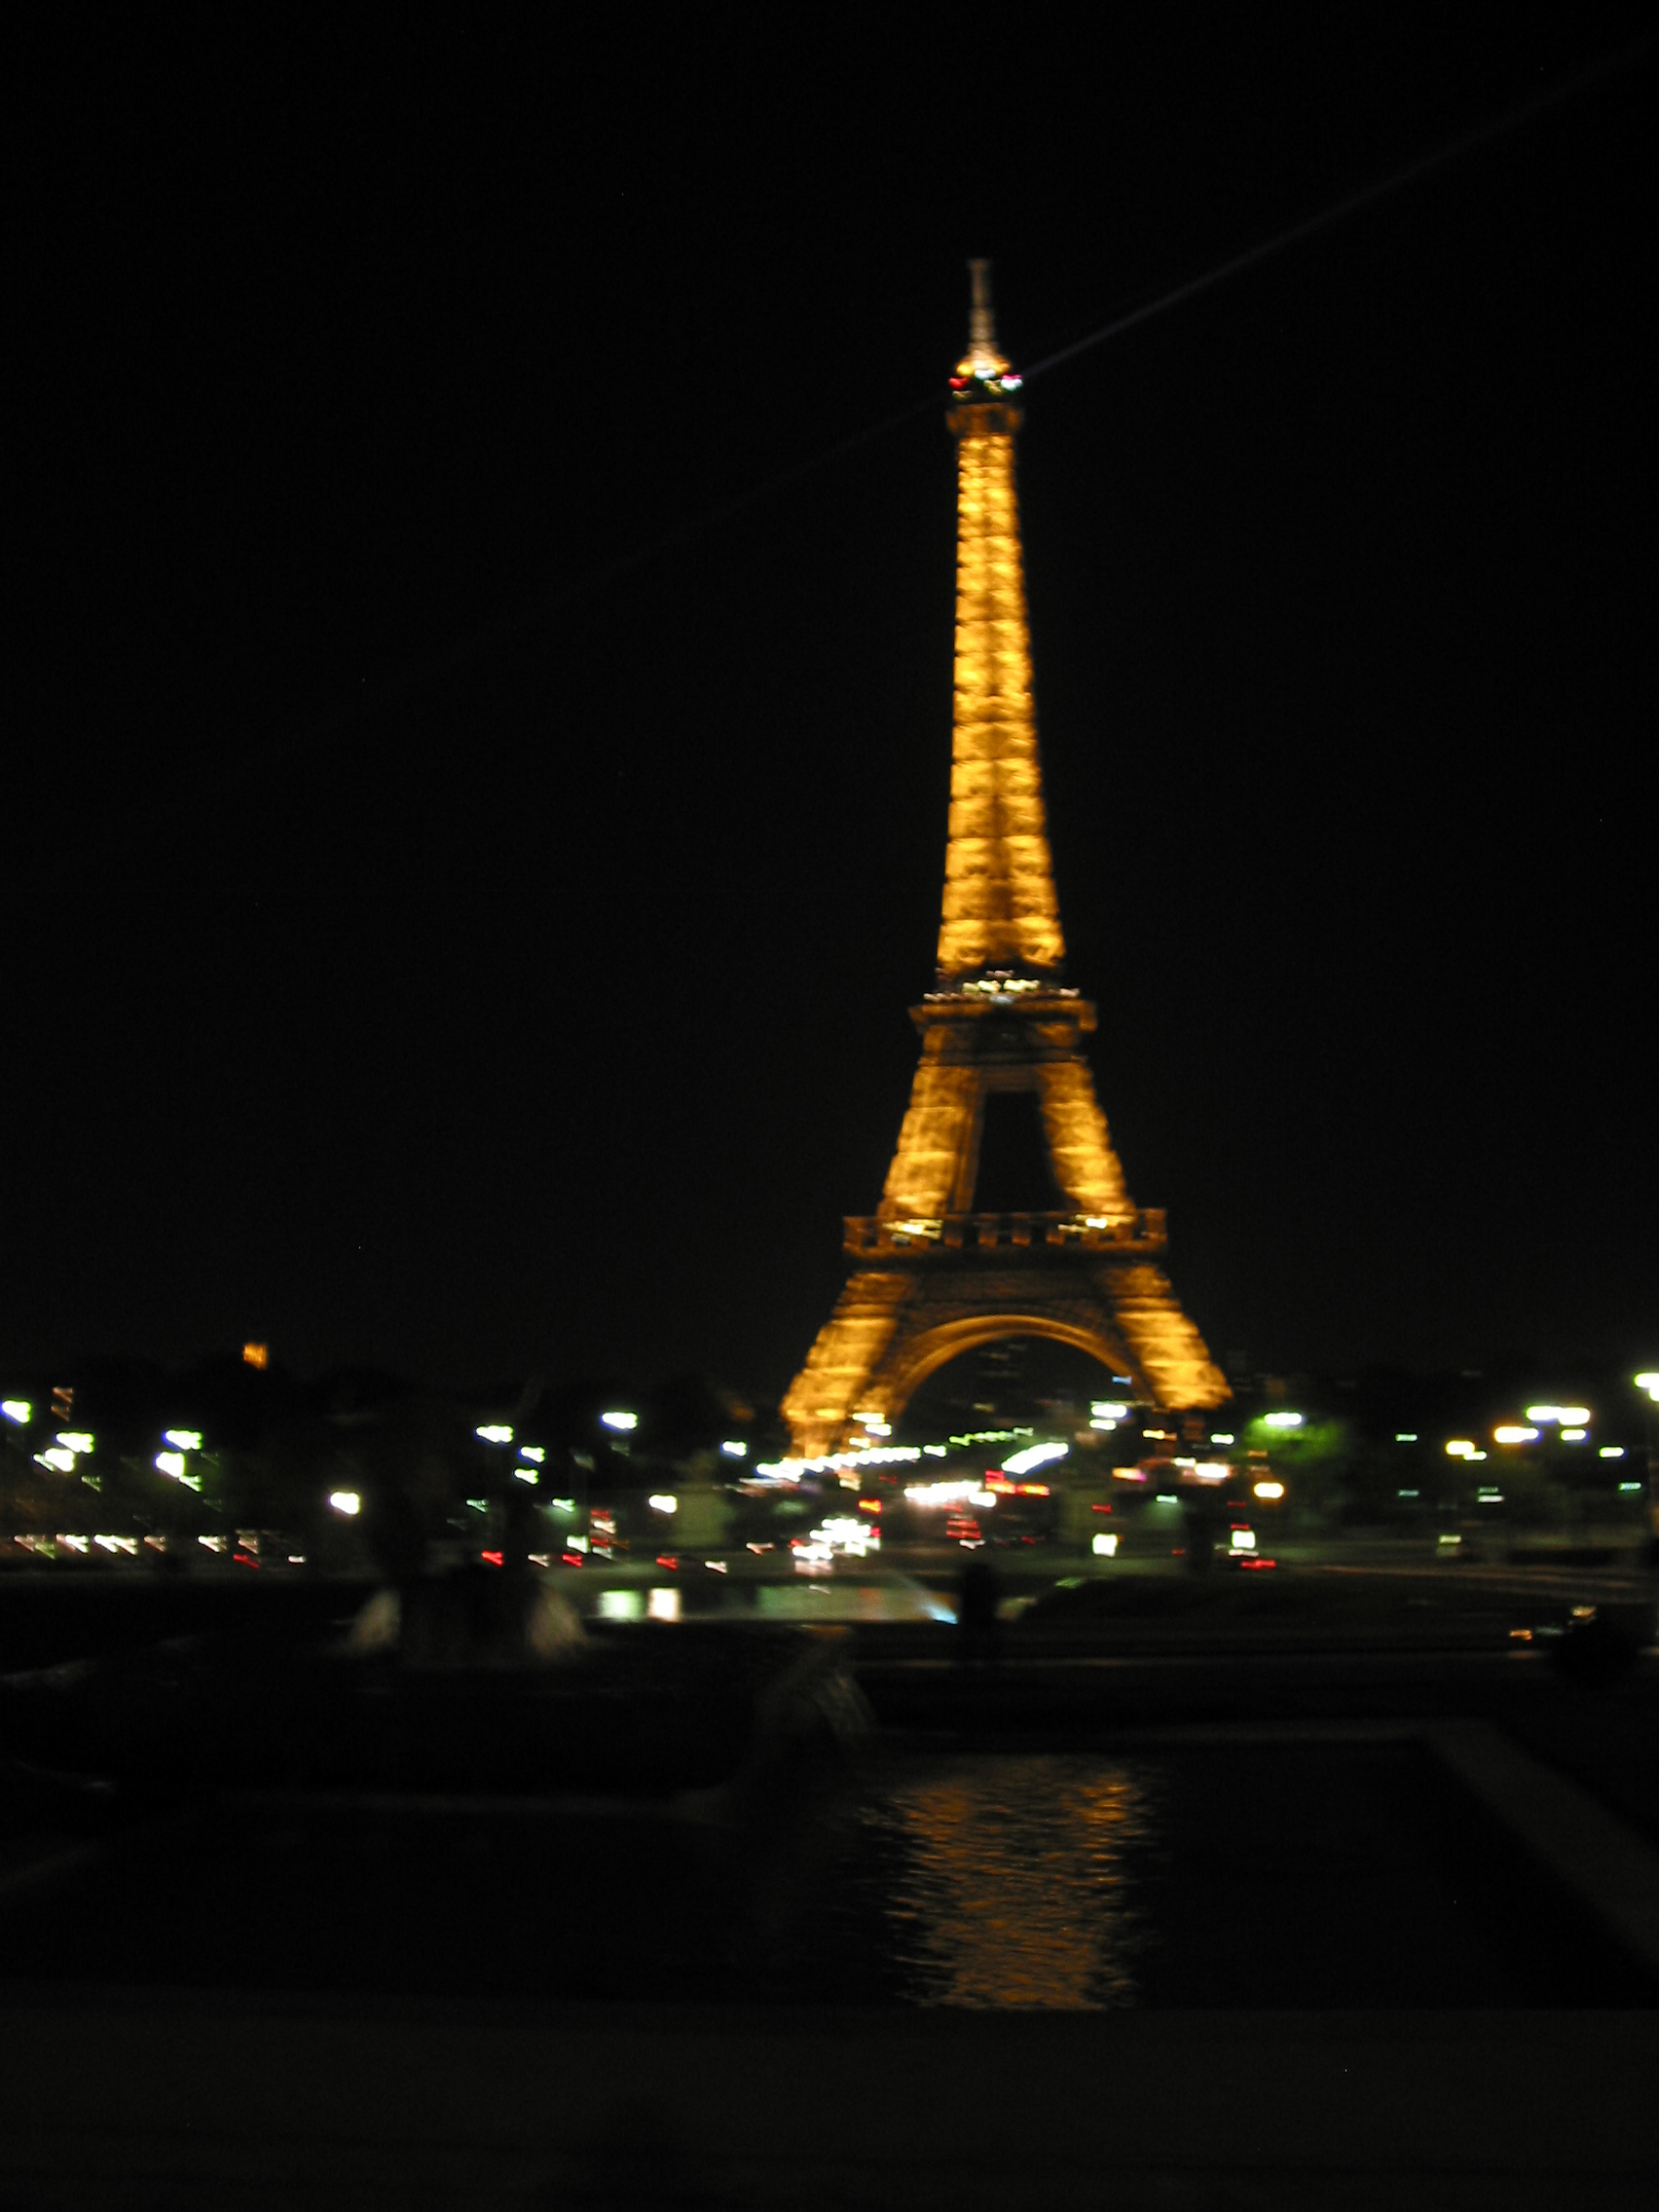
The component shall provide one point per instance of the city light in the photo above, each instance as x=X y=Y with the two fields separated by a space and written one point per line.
x=346 y=1501
x=620 y=1420
x=1108 y=1409
x=1574 y=1435
x=1105 y=1547
x=183 y=1438
x=967 y=1492
x=1405 y=1436
x=74 y=1440
x=171 y=1463
x=56 y=1457
x=663 y=1503
x=1460 y=1447
x=1514 y=1432
x=493 y=1432
x=534 y=1452
x=1222 y=1436
x=1282 y=1420
x=1649 y=1383
x=1573 y=1416
x=1034 y=1455
x=1611 y=1452
x=1269 y=1489
x=733 y=1450
x=256 y=1355
x=16 y=1408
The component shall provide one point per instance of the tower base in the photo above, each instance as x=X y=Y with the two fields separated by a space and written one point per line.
x=922 y=1293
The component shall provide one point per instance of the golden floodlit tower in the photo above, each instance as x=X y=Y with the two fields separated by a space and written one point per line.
x=1003 y=1113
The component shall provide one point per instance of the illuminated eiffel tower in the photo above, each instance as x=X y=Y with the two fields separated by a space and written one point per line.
x=935 y=1271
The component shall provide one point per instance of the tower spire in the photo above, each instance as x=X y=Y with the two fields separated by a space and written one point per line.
x=1000 y=911
x=981 y=327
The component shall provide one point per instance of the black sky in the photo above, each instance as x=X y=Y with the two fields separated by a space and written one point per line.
x=434 y=936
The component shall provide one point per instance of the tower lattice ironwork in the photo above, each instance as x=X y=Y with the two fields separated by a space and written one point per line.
x=933 y=1272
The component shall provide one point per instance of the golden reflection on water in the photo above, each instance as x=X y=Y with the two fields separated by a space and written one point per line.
x=1013 y=1886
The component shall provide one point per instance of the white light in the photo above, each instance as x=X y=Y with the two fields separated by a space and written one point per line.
x=1610 y=1452
x=1573 y=1435
x=54 y=1455
x=1405 y=1436
x=576 y=1543
x=74 y=1440
x=620 y=1420
x=1275 y=1490
x=1514 y=1432
x=941 y=1494
x=1222 y=1436
x=183 y=1438
x=832 y=1462
x=1649 y=1383
x=1109 y=1409
x=1034 y=1455
x=170 y=1463
x=1460 y=1447
x=1630 y=1486
x=493 y=1432
x=346 y=1501
x=1105 y=1547
x=16 y=1408
x=874 y=1425
x=535 y=1452
x=663 y=1604
x=1282 y=1420
x=663 y=1503
x=733 y=1450
x=1210 y=1470
x=1244 y=1539
x=526 y=1474
x=1098 y=1422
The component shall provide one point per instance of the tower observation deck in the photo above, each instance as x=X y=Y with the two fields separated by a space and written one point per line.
x=1004 y=1212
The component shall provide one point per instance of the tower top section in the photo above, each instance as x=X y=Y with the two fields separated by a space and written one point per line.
x=983 y=373
x=999 y=929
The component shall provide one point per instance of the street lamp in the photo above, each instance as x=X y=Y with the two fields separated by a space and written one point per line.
x=1649 y=1382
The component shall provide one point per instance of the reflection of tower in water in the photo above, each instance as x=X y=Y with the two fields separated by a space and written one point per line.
x=1014 y=1882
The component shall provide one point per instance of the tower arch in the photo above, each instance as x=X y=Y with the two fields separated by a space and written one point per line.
x=916 y=1357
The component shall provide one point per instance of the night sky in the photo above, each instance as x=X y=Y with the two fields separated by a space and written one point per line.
x=462 y=890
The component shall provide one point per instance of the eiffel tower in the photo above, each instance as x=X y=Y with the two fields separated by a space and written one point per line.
x=1003 y=1112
